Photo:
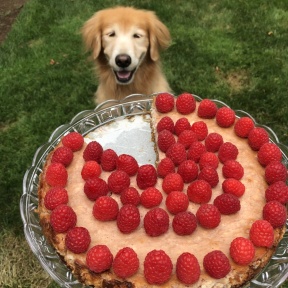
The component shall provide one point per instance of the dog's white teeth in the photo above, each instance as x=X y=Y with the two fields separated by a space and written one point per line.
x=123 y=74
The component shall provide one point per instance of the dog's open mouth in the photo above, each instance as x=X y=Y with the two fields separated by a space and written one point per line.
x=124 y=76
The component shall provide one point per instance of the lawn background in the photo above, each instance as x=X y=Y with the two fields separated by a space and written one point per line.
x=232 y=50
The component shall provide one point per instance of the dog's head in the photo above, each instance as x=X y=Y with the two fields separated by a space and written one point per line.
x=125 y=36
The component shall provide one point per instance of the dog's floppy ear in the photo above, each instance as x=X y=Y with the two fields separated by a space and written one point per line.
x=159 y=36
x=91 y=33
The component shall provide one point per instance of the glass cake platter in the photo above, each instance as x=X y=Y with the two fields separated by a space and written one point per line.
x=96 y=121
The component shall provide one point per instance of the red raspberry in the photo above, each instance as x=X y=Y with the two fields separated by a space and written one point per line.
x=165 y=123
x=63 y=218
x=95 y=188
x=176 y=153
x=62 y=155
x=242 y=251
x=195 y=151
x=172 y=182
x=73 y=140
x=181 y=125
x=207 y=109
x=128 y=218
x=90 y=169
x=184 y=223
x=165 y=167
x=275 y=171
x=93 y=151
x=213 y=142
x=164 y=102
x=146 y=176
x=128 y=164
x=227 y=204
x=233 y=169
x=108 y=160
x=210 y=175
x=188 y=170
x=118 y=181
x=130 y=196
x=55 y=197
x=227 y=151
x=157 y=267
x=99 y=258
x=78 y=240
x=151 y=197
x=156 y=222
x=275 y=213
x=262 y=234
x=199 y=192
x=208 y=159
x=165 y=140
x=257 y=137
x=233 y=186
x=185 y=103
x=177 y=202
x=105 y=208
x=225 y=117
x=187 y=268
x=187 y=137
x=243 y=126
x=268 y=153
x=208 y=216
x=216 y=264
x=200 y=129
x=56 y=175
x=277 y=191
x=126 y=263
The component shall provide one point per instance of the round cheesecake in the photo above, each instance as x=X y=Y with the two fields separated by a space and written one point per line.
x=202 y=240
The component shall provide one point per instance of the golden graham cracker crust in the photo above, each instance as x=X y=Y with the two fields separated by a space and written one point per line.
x=199 y=243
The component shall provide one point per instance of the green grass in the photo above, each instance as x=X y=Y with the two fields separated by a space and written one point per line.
x=232 y=50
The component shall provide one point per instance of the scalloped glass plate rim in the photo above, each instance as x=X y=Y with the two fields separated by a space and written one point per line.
x=273 y=275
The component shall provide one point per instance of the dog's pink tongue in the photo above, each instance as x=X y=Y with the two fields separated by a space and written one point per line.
x=123 y=74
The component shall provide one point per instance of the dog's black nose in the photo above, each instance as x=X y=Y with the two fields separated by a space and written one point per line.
x=123 y=60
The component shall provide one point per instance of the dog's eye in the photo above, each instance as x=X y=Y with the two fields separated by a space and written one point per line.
x=111 y=34
x=136 y=35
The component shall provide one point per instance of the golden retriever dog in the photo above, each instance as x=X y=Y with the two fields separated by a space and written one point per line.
x=125 y=44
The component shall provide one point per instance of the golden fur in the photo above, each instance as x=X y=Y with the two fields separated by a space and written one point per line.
x=125 y=33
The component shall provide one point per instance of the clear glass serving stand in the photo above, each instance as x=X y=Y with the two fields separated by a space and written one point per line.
x=273 y=275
